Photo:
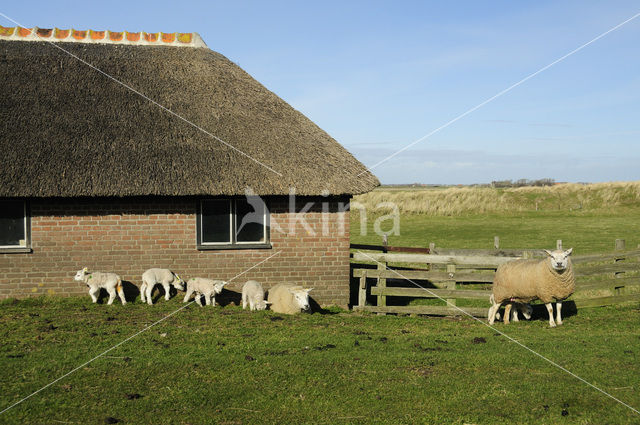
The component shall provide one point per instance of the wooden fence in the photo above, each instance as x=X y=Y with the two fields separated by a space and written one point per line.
x=467 y=274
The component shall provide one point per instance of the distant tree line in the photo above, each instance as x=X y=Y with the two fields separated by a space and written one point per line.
x=523 y=182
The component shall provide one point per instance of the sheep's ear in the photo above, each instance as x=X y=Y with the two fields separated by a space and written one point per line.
x=86 y=269
x=568 y=252
x=549 y=253
x=308 y=290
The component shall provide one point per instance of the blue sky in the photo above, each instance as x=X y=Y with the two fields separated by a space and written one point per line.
x=379 y=75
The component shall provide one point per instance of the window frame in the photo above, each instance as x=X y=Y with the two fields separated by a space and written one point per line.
x=26 y=248
x=234 y=244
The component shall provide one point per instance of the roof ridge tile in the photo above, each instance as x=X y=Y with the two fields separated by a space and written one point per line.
x=189 y=39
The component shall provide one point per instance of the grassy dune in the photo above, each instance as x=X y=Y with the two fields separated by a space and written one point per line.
x=455 y=201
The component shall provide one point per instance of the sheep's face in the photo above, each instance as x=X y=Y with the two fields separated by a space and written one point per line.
x=217 y=287
x=80 y=275
x=559 y=259
x=262 y=305
x=302 y=298
x=178 y=283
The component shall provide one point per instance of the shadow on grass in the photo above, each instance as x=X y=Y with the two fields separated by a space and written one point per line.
x=131 y=291
x=316 y=308
x=229 y=297
x=569 y=309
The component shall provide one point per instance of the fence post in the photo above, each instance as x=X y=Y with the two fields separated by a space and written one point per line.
x=496 y=242
x=559 y=244
x=620 y=246
x=382 y=282
x=362 y=290
x=451 y=285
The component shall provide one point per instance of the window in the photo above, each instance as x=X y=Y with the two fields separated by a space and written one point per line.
x=233 y=223
x=14 y=226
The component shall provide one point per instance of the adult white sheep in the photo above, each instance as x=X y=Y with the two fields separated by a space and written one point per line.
x=253 y=295
x=96 y=280
x=164 y=277
x=207 y=287
x=288 y=298
x=526 y=280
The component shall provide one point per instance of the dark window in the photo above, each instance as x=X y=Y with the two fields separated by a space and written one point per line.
x=14 y=224
x=233 y=223
x=216 y=221
x=250 y=220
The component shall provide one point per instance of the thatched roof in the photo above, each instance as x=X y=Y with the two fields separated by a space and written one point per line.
x=68 y=130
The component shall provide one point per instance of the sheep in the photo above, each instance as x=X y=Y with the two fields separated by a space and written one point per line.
x=288 y=298
x=165 y=277
x=523 y=308
x=96 y=280
x=207 y=287
x=253 y=294
x=524 y=280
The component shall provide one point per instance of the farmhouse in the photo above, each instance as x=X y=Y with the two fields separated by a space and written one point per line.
x=125 y=151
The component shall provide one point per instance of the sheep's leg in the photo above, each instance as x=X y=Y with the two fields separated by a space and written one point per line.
x=187 y=295
x=514 y=313
x=492 y=312
x=507 y=313
x=199 y=298
x=252 y=304
x=149 y=291
x=167 y=289
x=93 y=292
x=112 y=294
x=550 y=310
x=558 y=316
x=121 y=293
x=244 y=301
x=143 y=289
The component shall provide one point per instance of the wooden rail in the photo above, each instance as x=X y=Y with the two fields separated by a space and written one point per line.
x=433 y=259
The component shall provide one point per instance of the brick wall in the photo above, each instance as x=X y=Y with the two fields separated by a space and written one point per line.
x=128 y=236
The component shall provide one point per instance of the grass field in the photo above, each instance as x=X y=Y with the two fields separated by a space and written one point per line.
x=587 y=232
x=228 y=366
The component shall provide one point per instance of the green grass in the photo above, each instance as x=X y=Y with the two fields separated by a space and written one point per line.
x=586 y=232
x=228 y=366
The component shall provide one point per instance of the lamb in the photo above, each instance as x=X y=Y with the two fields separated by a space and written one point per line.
x=96 y=280
x=523 y=308
x=288 y=298
x=253 y=294
x=525 y=280
x=165 y=277
x=207 y=287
